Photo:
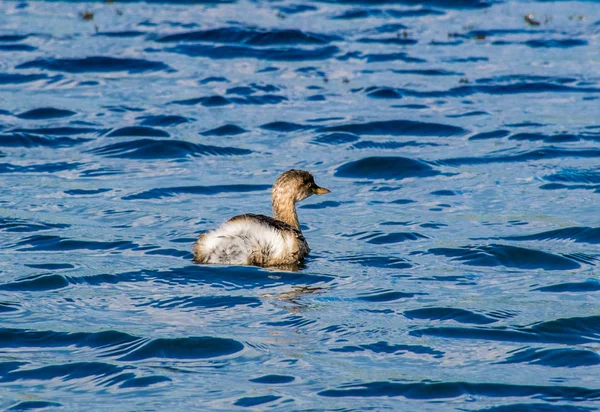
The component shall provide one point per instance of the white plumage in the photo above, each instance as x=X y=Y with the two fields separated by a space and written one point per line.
x=240 y=241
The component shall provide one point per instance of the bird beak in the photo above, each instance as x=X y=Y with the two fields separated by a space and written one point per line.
x=320 y=191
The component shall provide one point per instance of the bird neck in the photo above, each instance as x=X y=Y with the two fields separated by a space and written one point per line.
x=284 y=209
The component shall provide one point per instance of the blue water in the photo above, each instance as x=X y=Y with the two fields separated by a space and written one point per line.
x=454 y=266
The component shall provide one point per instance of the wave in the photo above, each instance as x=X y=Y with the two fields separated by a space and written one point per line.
x=96 y=64
x=164 y=149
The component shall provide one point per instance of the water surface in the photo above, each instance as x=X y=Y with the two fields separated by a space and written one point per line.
x=454 y=266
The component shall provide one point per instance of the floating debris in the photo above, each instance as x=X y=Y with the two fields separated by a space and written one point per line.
x=87 y=15
x=464 y=80
x=345 y=80
x=530 y=20
x=578 y=17
x=281 y=15
x=480 y=37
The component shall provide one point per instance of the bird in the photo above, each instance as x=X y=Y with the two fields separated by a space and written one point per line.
x=259 y=240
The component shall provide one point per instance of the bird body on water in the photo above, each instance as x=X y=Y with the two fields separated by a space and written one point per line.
x=261 y=240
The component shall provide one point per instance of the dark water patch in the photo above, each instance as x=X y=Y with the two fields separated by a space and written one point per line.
x=86 y=192
x=395 y=168
x=249 y=402
x=171 y=252
x=322 y=205
x=535 y=407
x=411 y=106
x=397 y=128
x=70 y=371
x=7 y=307
x=165 y=149
x=240 y=52
x=207 y=101
x=225 y=130
x=10 y=224
x=204 y=302
x=9 y=38
x=544 y=153
x=508 y=256
x=390 y=28
x=569 y=331
x=447 y=390
x=273 y=379
x=398 y=202
x=558 y=186
x=217 y=100
x=496 y=134
x=444 y=193
x=39 y=168
x=121 y=34
x=58 y=243
x=400 y=41
x=364 y=13
x=389 y=57
x=385 y=347
x=578 y=234
x=138 y=131
x=214 y=79
x=590 y=285
x=496 y=89
x=163 y=120
x=396 y=237
x=164 y=192
x=76 y=371
x=575 y=176
x=555 y=358
x=268 y=69
x=368 y=144
x=96 y=64
x=433 y=225
x=251 y=36
x=336 y=138
x=45 y=113
x=455 y=314
x=50 y=266
x=555 y=43
x=58 y=131
x=555 y=138
x=203 y=347
x=468 y=114
x=384 y=93
x=474 y=59
x=429 y=72
x=386 y=296
x=32 y=405
x=17 y=48
x=284 y=127
x=446 y=43
x=31 y=140
x=123 y=109
x=378 y=262
x=296 y=8
x=36 y=283
x=525 y=124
